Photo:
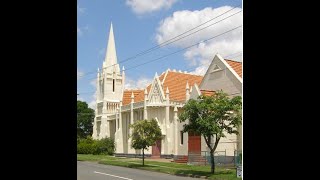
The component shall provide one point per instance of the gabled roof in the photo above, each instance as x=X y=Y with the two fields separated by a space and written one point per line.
x=236 y=66
x=175 y=81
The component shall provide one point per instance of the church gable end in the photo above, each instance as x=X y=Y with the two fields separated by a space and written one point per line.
x=156 y=94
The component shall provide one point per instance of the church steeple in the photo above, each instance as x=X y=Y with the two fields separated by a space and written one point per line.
x=110 y=61
x=110 y=87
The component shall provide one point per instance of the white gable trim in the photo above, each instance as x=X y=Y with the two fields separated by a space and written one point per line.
x=229 y=67
x=197 y=89
x=157 y=82
x=165 y=75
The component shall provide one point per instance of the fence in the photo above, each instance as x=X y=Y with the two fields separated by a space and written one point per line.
x=238 y=158
x=220 y=158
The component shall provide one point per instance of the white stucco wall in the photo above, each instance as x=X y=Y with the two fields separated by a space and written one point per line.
x=227 y=81
x=221 y=79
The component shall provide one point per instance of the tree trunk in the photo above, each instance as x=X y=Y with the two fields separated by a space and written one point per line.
x=212 y=162
x=142 y=157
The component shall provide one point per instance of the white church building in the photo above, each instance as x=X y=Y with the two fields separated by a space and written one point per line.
x=163 y=99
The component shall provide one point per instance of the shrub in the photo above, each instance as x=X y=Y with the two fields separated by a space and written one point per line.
x=90 y=146
x=85 y=146
x=105 y=146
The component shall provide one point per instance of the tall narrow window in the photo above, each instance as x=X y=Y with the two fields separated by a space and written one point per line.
x=181 y=137
x=113 y=85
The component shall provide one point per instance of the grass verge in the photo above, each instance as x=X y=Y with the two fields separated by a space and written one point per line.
x=164 y=167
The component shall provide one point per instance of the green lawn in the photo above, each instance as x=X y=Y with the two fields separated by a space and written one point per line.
x=164 y=167
x=90 y=157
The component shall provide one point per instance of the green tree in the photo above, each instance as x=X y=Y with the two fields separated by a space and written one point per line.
x=212 y=117
x=85 y=117
x=145 y=133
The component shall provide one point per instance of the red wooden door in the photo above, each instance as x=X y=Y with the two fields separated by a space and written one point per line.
x=194 y=143
x=156 y=149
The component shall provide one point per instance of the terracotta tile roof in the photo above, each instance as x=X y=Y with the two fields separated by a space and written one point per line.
x=207 y=92
x=236 y=66
x=175 y=81
x=127 y=96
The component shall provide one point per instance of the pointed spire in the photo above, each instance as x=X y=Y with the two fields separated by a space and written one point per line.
x=156 y=75
x=187 y=92
x=145 y=91
x=167 y=91
x=111 y=54
x=123 y=68
x=132 y=98
x=175 y=109
x=98 y=70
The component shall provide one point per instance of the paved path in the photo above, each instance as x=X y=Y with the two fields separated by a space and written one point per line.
x=94 y=171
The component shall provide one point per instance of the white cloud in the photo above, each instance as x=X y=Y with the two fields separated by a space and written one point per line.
x=81 y=10
x=92 y=103
x=79 y=74
x=203 y=53
x=80 y=98
x=148 y=6
x=79 y=31
x=141 y=83
x=102 y=52
x=94 y=83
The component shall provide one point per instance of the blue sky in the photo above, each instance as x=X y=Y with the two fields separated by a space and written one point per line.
x=139 y=25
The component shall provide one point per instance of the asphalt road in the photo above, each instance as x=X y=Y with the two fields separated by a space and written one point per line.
x=94 y=171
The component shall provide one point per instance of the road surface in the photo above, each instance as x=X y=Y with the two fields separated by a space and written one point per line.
x=94 y=171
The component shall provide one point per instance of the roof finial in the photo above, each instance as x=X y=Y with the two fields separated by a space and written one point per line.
x=167 y=91
x=175 y=109
x=187 y=86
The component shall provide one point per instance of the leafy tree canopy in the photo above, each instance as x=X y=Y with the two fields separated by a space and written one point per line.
x=212 y=117
x=85 y=118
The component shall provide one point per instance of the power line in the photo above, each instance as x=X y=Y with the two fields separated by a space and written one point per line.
x=182 y=49
x=211 y=61
x=161 y=44
x=177 y=51
x=165 y=42
x=190 y=68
